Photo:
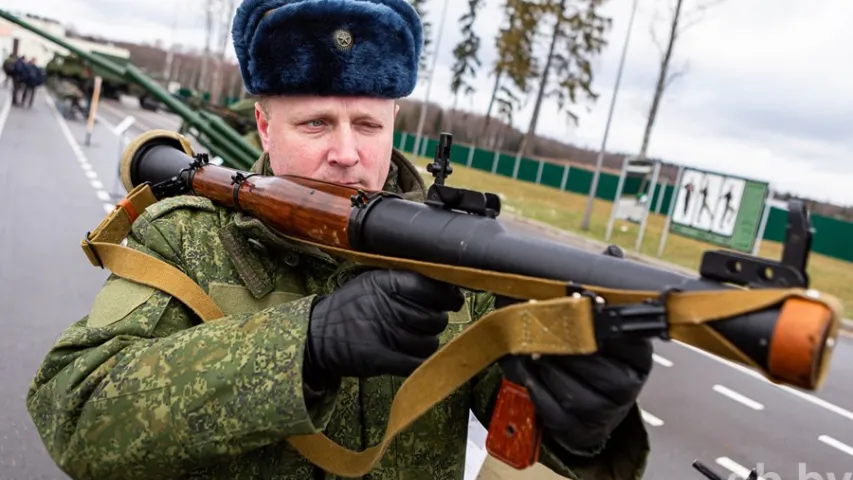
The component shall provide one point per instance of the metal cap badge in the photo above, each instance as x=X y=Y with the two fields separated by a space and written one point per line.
x=343 y=39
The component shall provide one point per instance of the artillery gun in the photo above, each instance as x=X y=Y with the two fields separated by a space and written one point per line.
x=210 y=130
x=239 y=115
x=82 y=73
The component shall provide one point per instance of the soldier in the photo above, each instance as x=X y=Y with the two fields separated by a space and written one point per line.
x=140 y=388
x=71 y=99
x=32 y=78
x=19 y=72
x=8 y=64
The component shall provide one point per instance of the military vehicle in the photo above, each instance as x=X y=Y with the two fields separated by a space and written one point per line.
x=239 y=115
x=82 y=72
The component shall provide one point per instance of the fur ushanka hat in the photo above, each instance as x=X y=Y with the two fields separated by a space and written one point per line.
x=328 y=47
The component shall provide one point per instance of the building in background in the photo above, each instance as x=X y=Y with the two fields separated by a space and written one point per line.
x=14 y=39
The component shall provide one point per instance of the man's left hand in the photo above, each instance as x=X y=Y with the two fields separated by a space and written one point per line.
x=581 y=399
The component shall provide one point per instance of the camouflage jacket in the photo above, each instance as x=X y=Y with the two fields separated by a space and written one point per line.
x=140 y=388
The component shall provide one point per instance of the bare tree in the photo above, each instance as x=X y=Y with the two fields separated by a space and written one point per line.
x=466 y=54
x=225 y=12
x=514 y=44
x=203 y=80
x=679 y=21
x=419 y=6
x=580 y=32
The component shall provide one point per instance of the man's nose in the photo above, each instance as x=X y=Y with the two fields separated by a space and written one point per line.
x=344 y=152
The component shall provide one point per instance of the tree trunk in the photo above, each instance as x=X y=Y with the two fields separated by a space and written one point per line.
x=494 y=90
x=664 y=67
x=204 y=78
x=531 y=130
x=219 y=89
x=489 y=110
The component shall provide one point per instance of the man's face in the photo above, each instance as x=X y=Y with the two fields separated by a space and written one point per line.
x=342 y=140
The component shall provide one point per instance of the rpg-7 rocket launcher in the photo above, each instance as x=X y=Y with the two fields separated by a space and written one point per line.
x=756 y=312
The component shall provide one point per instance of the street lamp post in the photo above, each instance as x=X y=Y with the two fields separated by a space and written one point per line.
x=422 y=119
x=600 y=160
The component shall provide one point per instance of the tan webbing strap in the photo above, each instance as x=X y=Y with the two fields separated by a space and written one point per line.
x=556 y=324
x=551 y=323
x=102 y=247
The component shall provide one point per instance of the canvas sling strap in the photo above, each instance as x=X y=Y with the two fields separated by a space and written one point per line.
x=552 y=322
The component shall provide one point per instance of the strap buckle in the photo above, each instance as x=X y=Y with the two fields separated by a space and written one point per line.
x=646 y=319
x=93 y=250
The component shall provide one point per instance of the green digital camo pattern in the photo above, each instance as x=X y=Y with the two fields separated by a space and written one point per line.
x=139 y=389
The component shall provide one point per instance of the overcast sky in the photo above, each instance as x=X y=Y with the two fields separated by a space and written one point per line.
x=768 y=92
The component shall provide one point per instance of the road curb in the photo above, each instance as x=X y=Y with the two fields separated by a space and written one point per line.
x=591 y=244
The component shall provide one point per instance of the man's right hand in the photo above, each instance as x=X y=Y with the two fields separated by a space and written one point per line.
x=382 y=322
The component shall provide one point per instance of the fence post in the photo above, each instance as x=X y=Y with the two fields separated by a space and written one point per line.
x=517 y=164
x=566 y=169
x=662 y=193
x=539 y=172
x=672 y=201
x=619 y=188
x=641 y=234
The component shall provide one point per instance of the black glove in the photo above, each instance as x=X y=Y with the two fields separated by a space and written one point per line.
x=382 y=322
x=581 y=399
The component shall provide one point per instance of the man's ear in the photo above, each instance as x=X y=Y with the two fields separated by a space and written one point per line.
x=263 y=126
x=396 y=109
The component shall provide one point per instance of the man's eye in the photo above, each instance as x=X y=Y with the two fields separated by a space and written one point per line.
x=315 y=123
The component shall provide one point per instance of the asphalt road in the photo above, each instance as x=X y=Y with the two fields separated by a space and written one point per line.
x=55 y=188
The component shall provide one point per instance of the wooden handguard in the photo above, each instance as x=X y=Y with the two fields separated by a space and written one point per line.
x=515 y=434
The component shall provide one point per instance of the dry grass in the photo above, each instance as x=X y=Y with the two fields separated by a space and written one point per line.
x=565 y=210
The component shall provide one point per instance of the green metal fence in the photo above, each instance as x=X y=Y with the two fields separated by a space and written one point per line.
x=833 y=238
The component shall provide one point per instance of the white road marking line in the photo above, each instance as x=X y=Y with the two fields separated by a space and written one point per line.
x=835 y=443
x=111 y=126
x=735 y=467
x=738 y=397
x=121 y=114
x=651 y=419
x=658 y=359
x=7 y=107
x=81 y=157
x=809 y=398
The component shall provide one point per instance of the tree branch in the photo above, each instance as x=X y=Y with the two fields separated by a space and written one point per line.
x=676 y=73
x=652 y=32
x=696 y=14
